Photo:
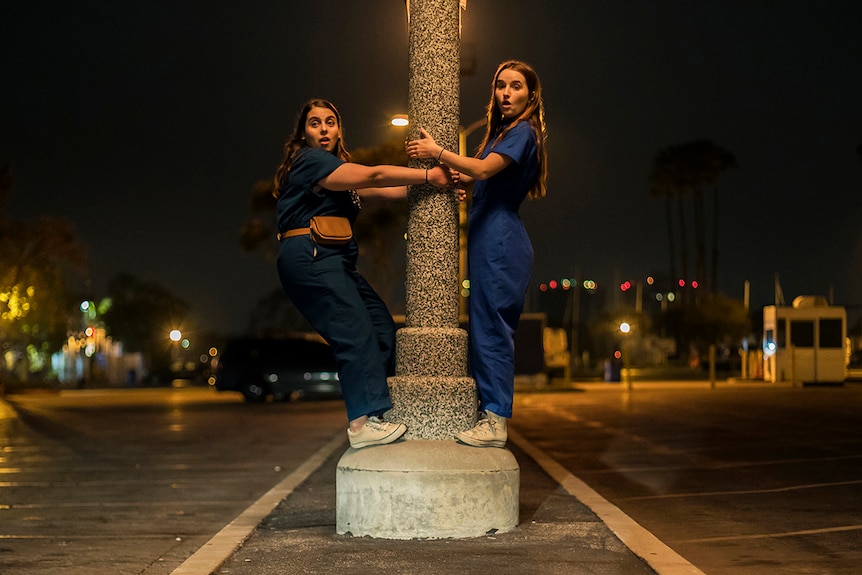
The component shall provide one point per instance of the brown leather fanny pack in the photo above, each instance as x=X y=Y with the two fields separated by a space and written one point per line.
x=324 y=230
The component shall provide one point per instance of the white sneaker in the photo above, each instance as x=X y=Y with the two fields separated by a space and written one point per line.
x=489 y=432
x=375 y=432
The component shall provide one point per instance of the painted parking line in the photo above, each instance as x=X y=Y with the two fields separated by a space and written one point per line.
x=217 y=550
x=662 y=559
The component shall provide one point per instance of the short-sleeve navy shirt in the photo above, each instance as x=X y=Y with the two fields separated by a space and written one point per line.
x=508 y=188
x=301 y=198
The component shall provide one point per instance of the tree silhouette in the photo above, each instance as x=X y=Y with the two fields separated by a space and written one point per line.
x=688 y=171
x=42 y=264
x=662 y=184
x=140 y=315
x=258 y=232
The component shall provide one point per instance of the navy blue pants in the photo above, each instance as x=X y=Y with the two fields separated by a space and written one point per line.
x=501 y=262
x=326 y=288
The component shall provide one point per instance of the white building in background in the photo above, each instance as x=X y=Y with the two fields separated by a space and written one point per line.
x=96 y=358
x=805 y=343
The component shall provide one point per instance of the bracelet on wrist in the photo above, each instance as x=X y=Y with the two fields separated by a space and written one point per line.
x=440 y=155
x=426 y=175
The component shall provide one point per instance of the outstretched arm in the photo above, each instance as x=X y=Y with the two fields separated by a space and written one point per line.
x=478 y=169
x=351 y=176
x=461 y=182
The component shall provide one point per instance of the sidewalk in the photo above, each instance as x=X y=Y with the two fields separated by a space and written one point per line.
x=557 y=534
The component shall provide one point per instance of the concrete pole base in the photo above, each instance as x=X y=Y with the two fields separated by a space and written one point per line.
x=426 y=489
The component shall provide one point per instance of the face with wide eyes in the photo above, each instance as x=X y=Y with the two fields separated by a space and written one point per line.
x=511 y=93
x=322 y=129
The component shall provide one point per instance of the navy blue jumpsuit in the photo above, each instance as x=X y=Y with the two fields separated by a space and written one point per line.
x=500 y=259
x=325 y=286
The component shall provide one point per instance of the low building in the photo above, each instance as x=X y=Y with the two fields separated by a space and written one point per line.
x=805 y=343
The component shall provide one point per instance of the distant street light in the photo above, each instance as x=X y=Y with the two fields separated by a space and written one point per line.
x=175 y=335
x=626 y=329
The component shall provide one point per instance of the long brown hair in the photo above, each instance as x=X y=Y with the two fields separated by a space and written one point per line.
x=297 y=142
x=534 y=114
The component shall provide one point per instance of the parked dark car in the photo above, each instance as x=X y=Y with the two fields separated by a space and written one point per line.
x=284 y=368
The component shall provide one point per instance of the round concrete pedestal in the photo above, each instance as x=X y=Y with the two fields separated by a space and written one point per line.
x=426 y=489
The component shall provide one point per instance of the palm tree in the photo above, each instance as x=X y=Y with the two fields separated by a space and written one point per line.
x=661 y=185
x=705 y=162
x=688 y=170
x=669 y=179
x=718 y=161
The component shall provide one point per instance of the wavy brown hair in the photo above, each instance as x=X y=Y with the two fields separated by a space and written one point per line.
x=534 y=114
x=297 y=142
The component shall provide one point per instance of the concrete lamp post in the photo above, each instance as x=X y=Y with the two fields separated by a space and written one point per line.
x=429 y=486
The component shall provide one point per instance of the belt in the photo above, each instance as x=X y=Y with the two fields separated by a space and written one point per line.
x=294 y=232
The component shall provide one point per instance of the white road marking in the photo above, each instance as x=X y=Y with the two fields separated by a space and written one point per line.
x=217 y=550
x=663 y=559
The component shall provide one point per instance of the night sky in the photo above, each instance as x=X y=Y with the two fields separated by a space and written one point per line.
x=147 y=123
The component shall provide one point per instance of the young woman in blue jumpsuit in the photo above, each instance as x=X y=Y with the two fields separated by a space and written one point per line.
x=510 y=166
x=316 y=178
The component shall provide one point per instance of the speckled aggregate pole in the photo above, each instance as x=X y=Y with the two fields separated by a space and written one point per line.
x=432 y=245
x=431 y=391
x=429 y=486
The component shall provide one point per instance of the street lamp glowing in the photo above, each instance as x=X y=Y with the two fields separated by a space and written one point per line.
x=400 y=120
x=176 y=335
x=625 y=327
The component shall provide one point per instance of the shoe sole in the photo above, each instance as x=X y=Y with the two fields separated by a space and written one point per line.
x=394 y=436
x=477 y=443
